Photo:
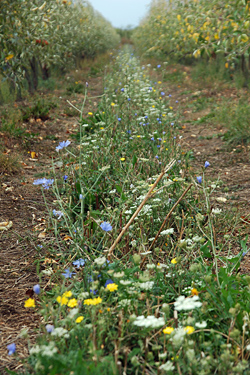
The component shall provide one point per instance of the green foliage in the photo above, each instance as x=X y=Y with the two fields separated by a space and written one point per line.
x=36 y=36
x=40 y=109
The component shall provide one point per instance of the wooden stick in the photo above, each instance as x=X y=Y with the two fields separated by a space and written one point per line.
x=169 y=166
x=165 y=220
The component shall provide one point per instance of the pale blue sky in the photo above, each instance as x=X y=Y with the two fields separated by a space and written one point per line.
x=122 y=13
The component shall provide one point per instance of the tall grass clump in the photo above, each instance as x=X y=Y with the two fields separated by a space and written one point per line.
x=140 y=284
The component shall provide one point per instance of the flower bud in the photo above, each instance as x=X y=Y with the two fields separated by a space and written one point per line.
x=136 y=259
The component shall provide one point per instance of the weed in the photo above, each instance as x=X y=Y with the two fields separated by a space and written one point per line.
x=10 y=163
x=39 y=110
x=235 y=117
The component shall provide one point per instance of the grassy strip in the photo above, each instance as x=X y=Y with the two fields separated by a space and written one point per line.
x=184 y=309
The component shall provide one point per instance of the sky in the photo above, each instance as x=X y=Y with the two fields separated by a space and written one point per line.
x=122 y=13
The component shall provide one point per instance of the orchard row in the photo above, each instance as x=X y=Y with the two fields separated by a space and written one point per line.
x=186 y=28
x=37 y=35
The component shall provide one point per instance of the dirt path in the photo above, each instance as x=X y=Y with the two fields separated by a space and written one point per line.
x=22 y=203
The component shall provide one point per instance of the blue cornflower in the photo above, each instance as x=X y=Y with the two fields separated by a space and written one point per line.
x=122 y=90
x=80 y=196
x=146 y=117
x=207 y=164
x=65 y=177
x=157 y=157
x=79 y=262
x=162 y=93
x=199 y=179
x=150 y=88
x=109 y=281
x=177 y=101
x=106 y=226
x=129 y=99
x=174 y=137
x=40 y=246
x=67 y=274
x=119 y=119
x=163 y=133
x=87 y=84
x=36 y=288
x=44 y=182
x=158 y=66
x=159 y=139
x=11 y=349
x=243 y=254
x=62 y=145
x=158 y=146
x=135 y=114
x=170 y=95
x=59 y=214
x=90 y=279
x=130 y=137
x=129 y=131
x=172 y=124
x=152 y=139
x=49 y=328
x=93 y=291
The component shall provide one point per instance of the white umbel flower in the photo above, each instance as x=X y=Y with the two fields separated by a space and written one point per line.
x=183 y=303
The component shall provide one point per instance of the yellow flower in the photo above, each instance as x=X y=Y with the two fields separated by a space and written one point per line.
x=79 y=319
x=30 y=303
x=108 y=309
x=112 y=287
x=170 y=107
x=97 y=300
x=101 y=128
x=168 y=330
x=138 y=136
x=189 y=329
x=153 y=106
x=62 y=300
x=159 y=82
x=112 y=104
x=72 y=302
x=178 y=17
x=226 y=65
x=94 y=301
x=194 y=292
x=90 y=113
x=67 y=294
x=122 y=159
x=9 y=57
x=174 y=261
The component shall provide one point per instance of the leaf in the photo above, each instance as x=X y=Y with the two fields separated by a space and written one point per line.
x=5 y=225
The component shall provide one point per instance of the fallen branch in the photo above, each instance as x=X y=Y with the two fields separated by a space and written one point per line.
x=169 y=166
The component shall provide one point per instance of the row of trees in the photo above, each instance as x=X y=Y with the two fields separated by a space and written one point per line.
x=197 y=27
x=36 y=35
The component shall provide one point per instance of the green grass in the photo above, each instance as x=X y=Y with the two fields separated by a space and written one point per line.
x=234 y=115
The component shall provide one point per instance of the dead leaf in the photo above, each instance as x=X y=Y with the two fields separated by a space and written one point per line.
x=5 y=225
x=42 y=235
x=221 y=199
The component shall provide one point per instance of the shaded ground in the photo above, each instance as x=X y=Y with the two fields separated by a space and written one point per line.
x=22 y=203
